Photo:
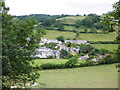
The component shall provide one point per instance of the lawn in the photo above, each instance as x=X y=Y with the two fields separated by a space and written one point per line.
x=52 y=34
x=109 y=47
x=103 y=76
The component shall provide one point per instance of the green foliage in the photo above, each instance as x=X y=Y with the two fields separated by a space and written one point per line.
x=77 y=34
x=64 y=54
x=52 y=66
x=51 y=45
x=93 y=30
x=103 y=51
x=85 y=30
x=85 y=48
x=60 y=38
x=72 y=62
x=107 y=60
x=19 y=42
x=48 y=22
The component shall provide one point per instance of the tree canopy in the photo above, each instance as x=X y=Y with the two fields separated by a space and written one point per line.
x=20 y=38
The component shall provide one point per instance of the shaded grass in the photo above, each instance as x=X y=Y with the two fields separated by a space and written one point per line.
x=103 y=76
x=52 y=34
x=110 y=47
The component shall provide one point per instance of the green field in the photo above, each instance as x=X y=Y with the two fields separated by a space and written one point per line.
x=52 y=34
x=55 y=61
x=71 y=28
x=103 y=76
x=110 y=47
x=71 y=19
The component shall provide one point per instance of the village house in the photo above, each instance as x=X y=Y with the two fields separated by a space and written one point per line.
x=44 y=40
x=44 y=52
x=83 y=57
x=76 y=41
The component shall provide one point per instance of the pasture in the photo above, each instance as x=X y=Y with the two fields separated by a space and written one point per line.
x=70 y=19
x=110 y=47
x=53 y=61
x=52 y=34
x=103 y=76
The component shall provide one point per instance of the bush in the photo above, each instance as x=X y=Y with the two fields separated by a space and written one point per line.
x=90 y=63
x=64 y=54
x=60 y=38
x=52 y=66
x=72 y=62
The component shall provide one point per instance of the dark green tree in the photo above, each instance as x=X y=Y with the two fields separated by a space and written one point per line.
x=60 y=38
x=77 y=34
x=64 y=53
x=20 y=38
x=112 y=21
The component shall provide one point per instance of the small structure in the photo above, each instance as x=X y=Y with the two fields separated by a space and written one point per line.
x=44 y=40
x=44 y=52
x=83 y=57
x=76 y=41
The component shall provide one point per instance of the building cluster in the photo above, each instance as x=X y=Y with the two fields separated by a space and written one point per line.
x=44 y=52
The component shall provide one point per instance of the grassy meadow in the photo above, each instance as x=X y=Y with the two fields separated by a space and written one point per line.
x=71 y=19
x=52 y=34
x=110 y=47
x=54 y=61
x=103 y=76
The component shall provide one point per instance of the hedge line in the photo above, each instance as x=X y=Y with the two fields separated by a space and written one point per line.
x=103 y=42
x=87 y=63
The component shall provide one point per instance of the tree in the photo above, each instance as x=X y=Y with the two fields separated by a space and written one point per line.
x=64 y=54
x=77 y=34
x=85 y=48
x=72 y=62
x=60 y=38
x=85 y=30
x=93 y=30
x=112 y=21
x=51 y=45
x=20 y=38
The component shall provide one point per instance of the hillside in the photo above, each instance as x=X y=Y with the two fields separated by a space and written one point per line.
x=70 y=19
x=52 y=34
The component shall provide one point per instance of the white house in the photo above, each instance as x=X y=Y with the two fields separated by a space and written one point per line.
x=44 y=52
x=83 y=57
x=76 y=41
x=44 y=40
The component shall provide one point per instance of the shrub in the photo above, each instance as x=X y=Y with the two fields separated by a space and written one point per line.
x=90 y=63
x=72 y=62
x=64 y=54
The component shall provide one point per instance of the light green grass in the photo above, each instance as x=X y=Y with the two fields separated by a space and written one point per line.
x=71 y=28
x=52 y=34
x=103 y=76
x=71 y=19
x=54 y=61
x=110 y=47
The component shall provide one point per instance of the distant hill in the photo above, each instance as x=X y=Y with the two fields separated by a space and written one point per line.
x=42 y=17
x=70 y=19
